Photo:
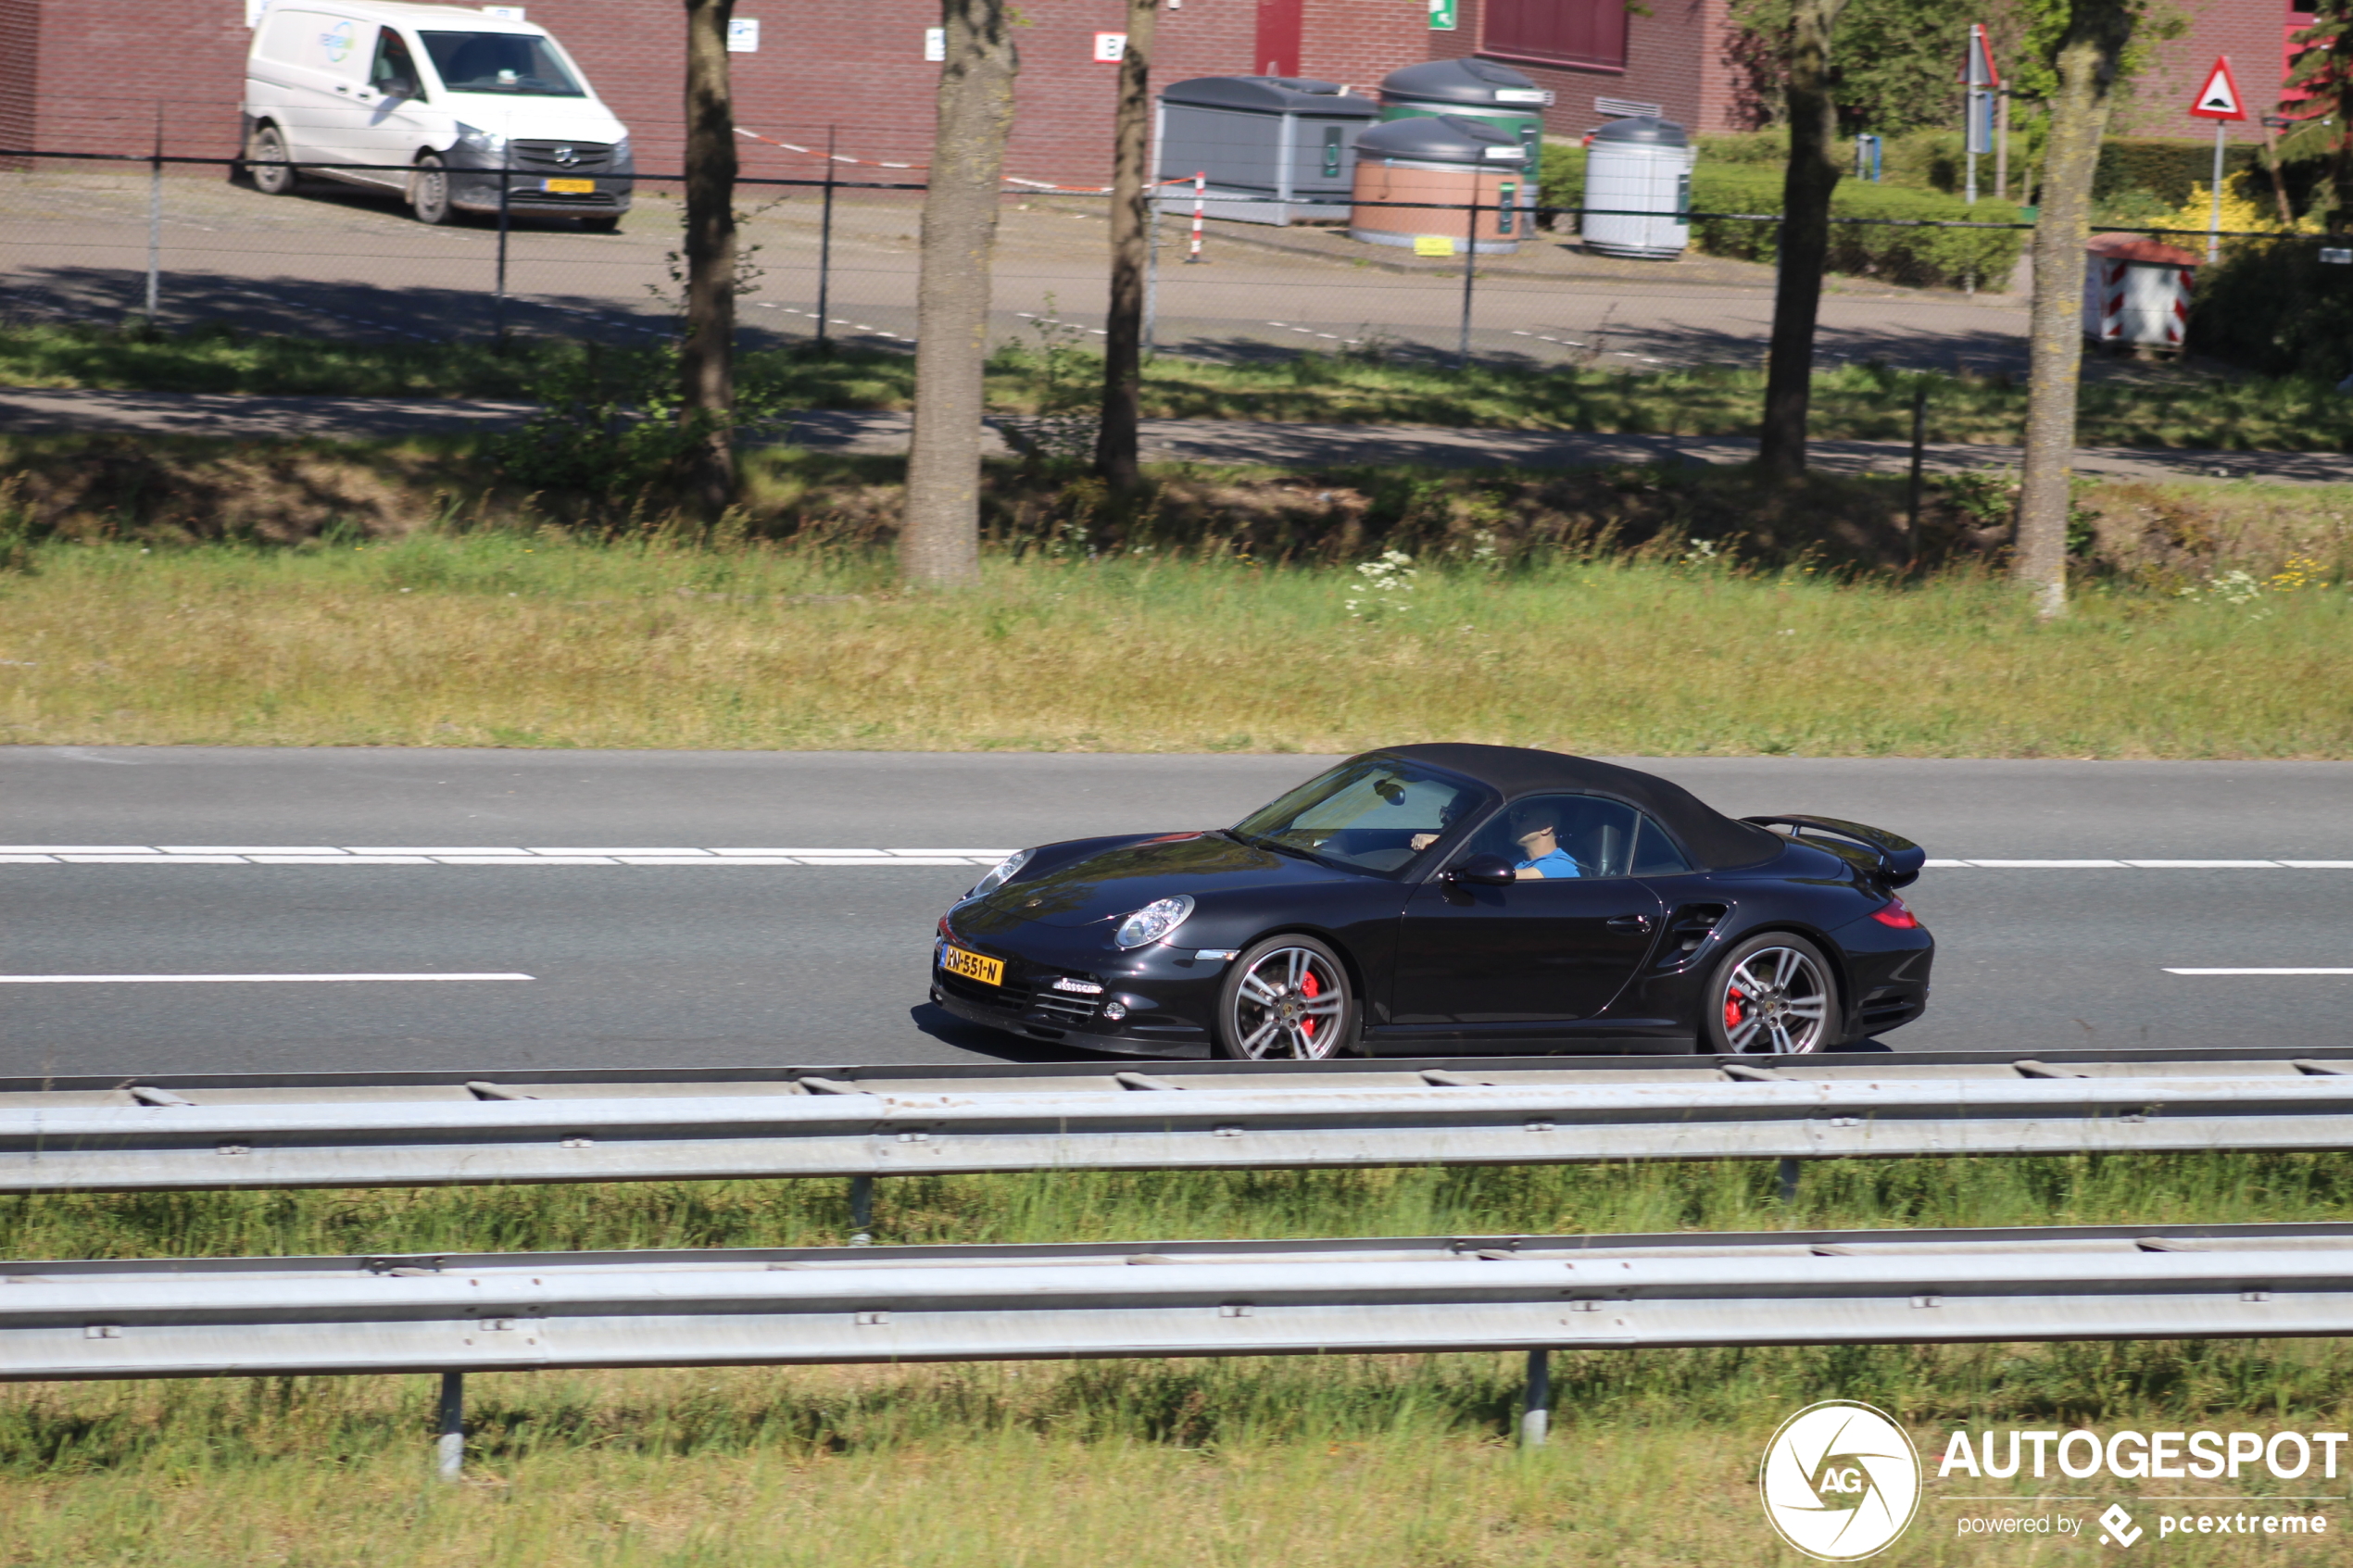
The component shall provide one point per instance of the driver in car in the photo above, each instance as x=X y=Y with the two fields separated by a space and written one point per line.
x=1536 y=829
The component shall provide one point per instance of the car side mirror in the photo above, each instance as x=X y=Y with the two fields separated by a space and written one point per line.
x=1481 y=871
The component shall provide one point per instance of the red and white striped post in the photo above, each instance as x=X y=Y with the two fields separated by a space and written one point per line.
x=1200 y=197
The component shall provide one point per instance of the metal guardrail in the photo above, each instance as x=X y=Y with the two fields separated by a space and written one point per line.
x=345 y=1130
x=518 y=1312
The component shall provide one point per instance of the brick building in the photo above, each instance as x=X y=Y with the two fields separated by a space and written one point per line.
x=80 y=76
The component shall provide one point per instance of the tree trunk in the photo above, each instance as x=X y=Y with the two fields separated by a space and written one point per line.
x=707 y=357
x=939 y=542
x=1805 y=238
x=1130 y=218
x=2087 y=59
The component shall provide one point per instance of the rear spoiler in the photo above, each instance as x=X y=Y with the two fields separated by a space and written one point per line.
x=1899 y=858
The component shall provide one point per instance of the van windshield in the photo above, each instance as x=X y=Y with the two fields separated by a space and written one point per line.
x=519 y=63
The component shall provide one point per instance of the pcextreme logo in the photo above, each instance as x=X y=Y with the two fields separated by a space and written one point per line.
x=1841 y=1481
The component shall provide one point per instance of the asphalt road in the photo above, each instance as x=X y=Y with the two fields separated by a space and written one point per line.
x=705 y=964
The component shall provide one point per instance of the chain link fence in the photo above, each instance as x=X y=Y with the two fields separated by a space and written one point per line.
x=188 y=241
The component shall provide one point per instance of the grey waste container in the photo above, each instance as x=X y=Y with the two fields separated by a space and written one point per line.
x=1277 y=149
x=1638 y=189
x=1436 y=169
x=1471 y=89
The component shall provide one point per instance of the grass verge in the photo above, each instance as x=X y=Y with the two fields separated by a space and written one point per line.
x=2177 y=409
x=1398 y=1459
x=518 y=638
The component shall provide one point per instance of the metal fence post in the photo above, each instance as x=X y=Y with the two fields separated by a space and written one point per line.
x=825 y=245
x=449 y=1455
x=1536 y=1415
x=1470 y=271
x=1789 y=1171
x=1912 y=498
x=506 y=187
x=155 y=221
x=1151 y=273
x=862 y=1211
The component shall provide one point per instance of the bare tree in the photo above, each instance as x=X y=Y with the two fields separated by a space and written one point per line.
x=2087 y=59
x=1806 y=237
x=707 y=357
x=939 y=542
x=1130 y=221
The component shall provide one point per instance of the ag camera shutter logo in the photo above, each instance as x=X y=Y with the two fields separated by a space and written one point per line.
x=1841 y=1481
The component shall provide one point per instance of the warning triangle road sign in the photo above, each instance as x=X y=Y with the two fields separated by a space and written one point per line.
x=2219 y=99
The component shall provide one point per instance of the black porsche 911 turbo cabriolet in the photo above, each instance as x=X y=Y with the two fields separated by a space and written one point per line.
x=1450 y=898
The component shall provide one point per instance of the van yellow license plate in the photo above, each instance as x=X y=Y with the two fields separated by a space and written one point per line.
x=972 y=966
x=569 y=187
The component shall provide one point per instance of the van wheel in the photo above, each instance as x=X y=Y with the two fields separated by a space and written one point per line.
x=429 y=190
x=272 y=174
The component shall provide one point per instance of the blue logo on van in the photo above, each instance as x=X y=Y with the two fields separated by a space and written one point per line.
x=337 y=40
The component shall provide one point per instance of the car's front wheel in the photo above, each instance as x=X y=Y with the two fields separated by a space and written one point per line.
x=1286 y=999
x=265 y=160
x=429 y=192
x=1771 y=995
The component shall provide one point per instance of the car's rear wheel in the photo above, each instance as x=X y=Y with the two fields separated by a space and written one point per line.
x=429 y=190
x=274 y=175
x=1772 y=995
x=1286 y=999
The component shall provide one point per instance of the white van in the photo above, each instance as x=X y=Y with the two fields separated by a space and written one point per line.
x=436 y=102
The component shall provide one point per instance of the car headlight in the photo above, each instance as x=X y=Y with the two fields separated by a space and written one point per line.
x=487 y=145
x=621 y=157
x=1153 y=921
x=1003 y=872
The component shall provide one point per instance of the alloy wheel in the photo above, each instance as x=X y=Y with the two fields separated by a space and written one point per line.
x=1289 y=1004
x=1776 y=1002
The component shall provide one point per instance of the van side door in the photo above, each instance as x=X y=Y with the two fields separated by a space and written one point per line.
x=316 y=61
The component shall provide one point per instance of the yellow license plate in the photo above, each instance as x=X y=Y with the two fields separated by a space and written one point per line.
x=570 y=187
x=972 y=966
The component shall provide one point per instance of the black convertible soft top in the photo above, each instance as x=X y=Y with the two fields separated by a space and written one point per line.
x=1716 y=841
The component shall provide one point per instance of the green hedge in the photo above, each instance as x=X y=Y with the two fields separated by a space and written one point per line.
x=2276 y=309
x=1899 y=256
x=2165 y=167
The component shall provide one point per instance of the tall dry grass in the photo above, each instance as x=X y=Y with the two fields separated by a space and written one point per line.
x=521 y=639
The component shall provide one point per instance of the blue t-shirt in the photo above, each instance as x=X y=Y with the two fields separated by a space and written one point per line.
x=1557 y=863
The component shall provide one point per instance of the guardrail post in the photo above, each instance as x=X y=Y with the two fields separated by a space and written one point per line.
x=1789 y=1171
x=1536 y=1416
x=449 y=1455
x=862 y=1211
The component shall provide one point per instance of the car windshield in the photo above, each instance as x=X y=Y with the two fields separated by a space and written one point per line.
x=519 y=63
x=1374 y=816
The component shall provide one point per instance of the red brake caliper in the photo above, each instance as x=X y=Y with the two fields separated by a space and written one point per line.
x=1734 y=1008
x=1307 y=987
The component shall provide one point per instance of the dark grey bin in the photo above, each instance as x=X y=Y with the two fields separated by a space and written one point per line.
x=1277 y=149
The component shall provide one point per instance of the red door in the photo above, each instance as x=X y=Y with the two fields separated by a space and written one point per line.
x=1279 y=32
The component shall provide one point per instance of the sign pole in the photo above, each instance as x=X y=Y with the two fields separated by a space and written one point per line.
x=2214 y=229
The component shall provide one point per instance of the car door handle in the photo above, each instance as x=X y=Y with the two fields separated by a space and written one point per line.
x=1630 y=923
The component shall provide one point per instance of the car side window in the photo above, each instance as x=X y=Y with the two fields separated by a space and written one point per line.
x=393 y=72
x=1655 y=853
x=1561 y=836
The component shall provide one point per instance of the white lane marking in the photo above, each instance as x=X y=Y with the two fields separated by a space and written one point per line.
x=248 y=849
x=2146 y=865
x=659 y=850
x=395 y=855
x=226 y=979
x=2260 y=972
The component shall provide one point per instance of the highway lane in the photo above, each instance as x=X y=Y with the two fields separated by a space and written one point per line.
x=708 y=965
